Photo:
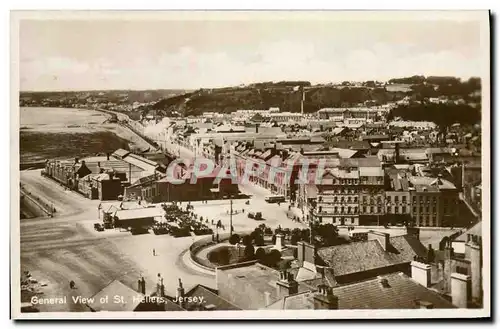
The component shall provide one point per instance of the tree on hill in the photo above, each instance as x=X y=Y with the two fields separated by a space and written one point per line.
x=443 y=115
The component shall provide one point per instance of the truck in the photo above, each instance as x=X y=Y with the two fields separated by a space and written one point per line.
x=275 y=199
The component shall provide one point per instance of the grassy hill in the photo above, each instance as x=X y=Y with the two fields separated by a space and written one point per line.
x=266 y=95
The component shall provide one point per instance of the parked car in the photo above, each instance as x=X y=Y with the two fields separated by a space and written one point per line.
x=98 y=227
x=251 y=215
x=139 y=230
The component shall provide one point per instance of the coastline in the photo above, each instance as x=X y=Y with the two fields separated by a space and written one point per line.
x=90 y=132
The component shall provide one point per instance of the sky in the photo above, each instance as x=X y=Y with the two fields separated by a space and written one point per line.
x=84 y=54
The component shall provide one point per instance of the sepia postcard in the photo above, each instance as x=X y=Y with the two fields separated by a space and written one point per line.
x=250 y=165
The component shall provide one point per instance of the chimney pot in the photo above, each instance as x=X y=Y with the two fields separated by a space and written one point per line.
x=421 y=273
x=460 y=290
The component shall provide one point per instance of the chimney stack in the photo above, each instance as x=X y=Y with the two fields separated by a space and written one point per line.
x=279 y=242
x=107 y=156
x=306 y=254
x=76 y=160
x=421 y=273
x=141 y=286
x=382 y=238
x=160 y=287
x=325 y=299
x=286 y=285
x=396 y=156
x=460 y=290
x=267 y=298
x=180 y=293
x=476 y=266
x=447 y=269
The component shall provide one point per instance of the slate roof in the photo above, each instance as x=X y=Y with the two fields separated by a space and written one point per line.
x=474 y=230
x=131 y=298
x=121 y=153
x=368 y=255
x=211 y=298
x=401 y=292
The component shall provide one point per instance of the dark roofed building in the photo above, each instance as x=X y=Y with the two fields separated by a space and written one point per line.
x=362 y=260
x=392 y=291
x=211 y=300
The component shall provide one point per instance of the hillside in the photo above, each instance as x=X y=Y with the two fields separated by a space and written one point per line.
x=285 y=95
x=266 y=95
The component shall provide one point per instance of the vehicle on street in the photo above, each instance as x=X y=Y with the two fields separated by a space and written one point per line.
x=275 y=199
x=139 y=230
x=358 y=235
x=251 y=215
x=98 y=227
x=258 y=216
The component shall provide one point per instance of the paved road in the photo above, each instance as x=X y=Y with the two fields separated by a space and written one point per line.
x=65 y=248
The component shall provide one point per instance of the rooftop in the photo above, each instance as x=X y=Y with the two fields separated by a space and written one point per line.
x=474 y=230
x=400 y=292
x=139 y=213
x=368 y=255
x=211 y=298
x=261 y=278
x=131 y=298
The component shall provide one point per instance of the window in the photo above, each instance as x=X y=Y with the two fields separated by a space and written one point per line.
x=388 y=198
x=379 y=209
x=445 y=209
x=421 y=209
x=365 y=199
x=320 y=209
x=342 y=199
x=371 y=209
x=414 y=199
x=352 y=220
x=336 y=209
x=414 y=209
x=349 y=199
x=364 y=209
x=404 y=198
x=396 y=199
x=396 y=210
x=355 y=210
x=355 y=199
x=341 y=210
x=379 y=199
x=335 y=199
x=427 y=209
x=388 y=210
x=348 y=210
x=403 y=210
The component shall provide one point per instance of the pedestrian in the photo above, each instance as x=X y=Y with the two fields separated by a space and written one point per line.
x=154 y=252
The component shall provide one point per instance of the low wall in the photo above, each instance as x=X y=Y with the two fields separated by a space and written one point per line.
x=203 y=243
x=34 y=206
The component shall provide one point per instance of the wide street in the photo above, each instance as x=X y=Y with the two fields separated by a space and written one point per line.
x=64 y=248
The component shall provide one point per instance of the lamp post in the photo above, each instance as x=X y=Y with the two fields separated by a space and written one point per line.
x=231 y=218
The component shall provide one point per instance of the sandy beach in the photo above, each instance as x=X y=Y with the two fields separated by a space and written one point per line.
x=67 y=132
